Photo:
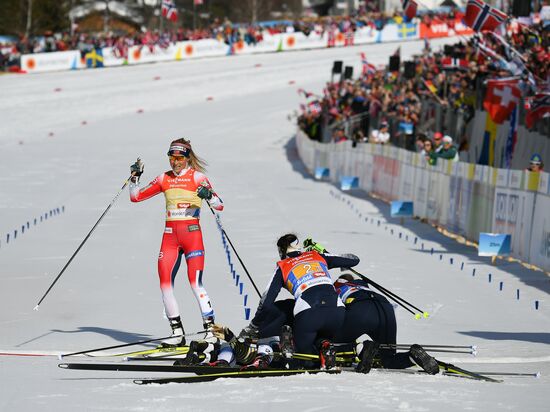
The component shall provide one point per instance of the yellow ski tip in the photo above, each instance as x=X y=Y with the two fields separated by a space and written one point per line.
x=426 y=315
x=417 y=316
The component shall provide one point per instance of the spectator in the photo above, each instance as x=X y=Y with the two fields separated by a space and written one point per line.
x=380 y=136
x=448 y=150
x=535 y=164
x=428 y=151
x=419 y=143
x=339 y=136
x=437 y=142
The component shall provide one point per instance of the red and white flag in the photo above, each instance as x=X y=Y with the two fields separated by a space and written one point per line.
x=501 y=98
x=480 y=16
x=409 y=8
x=449 y=63
x=198 y=2
x=169 y=11
x=368 y=68
x=538 y=107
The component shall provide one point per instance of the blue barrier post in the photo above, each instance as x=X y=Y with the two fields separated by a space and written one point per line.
x=349 y=182
x=322 y=173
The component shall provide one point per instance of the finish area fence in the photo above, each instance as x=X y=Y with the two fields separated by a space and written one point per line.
x=464 y=198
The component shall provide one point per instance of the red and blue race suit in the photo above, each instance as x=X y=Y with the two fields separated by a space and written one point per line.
x=182 y=233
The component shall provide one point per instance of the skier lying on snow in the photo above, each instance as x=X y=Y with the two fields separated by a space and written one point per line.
x=317 y=316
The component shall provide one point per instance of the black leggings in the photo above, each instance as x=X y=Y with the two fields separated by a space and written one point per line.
x=314 y=324
x=374 y=316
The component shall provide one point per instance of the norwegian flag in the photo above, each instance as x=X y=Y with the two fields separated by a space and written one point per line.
x=367 y=67
x=169 y=11
x=448 y=63
x=409 y=8
x=538 y=108
x=501 y=98
x=480 y=16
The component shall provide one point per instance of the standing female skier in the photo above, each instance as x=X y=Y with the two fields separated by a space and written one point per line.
x=184 y=188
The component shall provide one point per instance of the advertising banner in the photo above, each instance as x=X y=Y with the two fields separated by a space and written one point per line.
x=540 y=233
x=494 y=244
x=44 y=62
x=443 y=29
x=513 y=214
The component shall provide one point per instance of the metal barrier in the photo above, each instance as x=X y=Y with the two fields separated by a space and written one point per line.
x=459 y=123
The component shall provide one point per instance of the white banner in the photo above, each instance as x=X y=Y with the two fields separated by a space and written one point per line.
x=45 y=62
x=71 y=60
x=540 y=233
x=513 y=214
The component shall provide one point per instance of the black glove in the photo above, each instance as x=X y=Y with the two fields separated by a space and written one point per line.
x=136 y=170
x=250 y=333
x=204 y=192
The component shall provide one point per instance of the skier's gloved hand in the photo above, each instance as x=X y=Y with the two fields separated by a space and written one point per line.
x=136 y=170
x=204 y=192
x=309 y=245
x=222 y=332
x=250 y=332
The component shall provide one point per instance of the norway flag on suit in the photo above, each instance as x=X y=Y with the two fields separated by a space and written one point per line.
x=480 y=16
x=501 y=98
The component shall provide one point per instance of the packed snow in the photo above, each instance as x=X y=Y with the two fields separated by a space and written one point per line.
x=67 y=140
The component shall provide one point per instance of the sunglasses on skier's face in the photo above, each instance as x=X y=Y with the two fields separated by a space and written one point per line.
x=177 y=158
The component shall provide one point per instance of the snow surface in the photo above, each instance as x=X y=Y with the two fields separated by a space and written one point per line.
x=109 y=295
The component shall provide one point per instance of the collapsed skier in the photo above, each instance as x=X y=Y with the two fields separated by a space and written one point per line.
x=367 y=312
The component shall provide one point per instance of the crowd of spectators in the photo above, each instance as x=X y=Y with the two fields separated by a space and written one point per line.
x=222 y=30
x=383 y=106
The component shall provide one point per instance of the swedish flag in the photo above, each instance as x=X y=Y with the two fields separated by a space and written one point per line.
x=406 y=30
x=94 y=58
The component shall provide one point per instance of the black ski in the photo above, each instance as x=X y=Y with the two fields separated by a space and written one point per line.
x=125 y=367
x=452 y=369
x=261 y=373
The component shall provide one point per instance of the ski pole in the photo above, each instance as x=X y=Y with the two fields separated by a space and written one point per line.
x=84 y=241
x=384 y=290
x=236 y=254
x=308 y=243
x=402 y=302
x=128 y=344
x=408 y=345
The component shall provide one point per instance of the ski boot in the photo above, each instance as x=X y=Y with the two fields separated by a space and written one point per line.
x=420 y=357
x=178 y=334
x=366 y=357
x=287 y=342
x=327 y=355
x=208 y=325
x=193 y=356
